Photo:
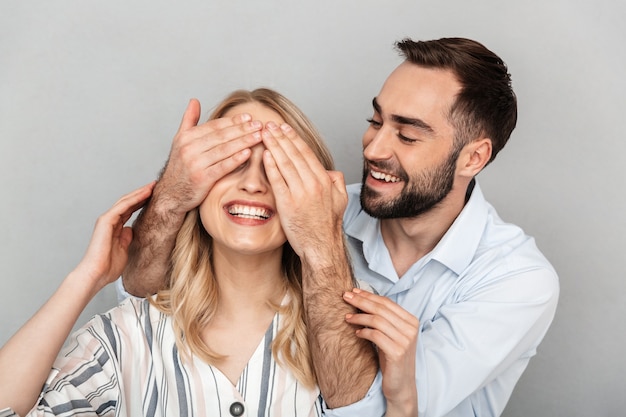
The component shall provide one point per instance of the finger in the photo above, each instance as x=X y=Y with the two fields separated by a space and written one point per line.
x=226 y=142
x=287 y=159
x=135 y=199
x=339 y=186
x=274 y=176
x=380 y=339
x=217 y=168
x=210 y=144
x=191 y=115
x=388 y=328
x=376 y=329
x=377 y=304
x=388 y=337
x=288 y=146
x=225 y=121
x=303 y=149
x=126 y=236
x=338 y=180
x=241 y=120
x=393 y=350
x=111 y=223
x=380 y=308
x=123 y=209
x=213 y=132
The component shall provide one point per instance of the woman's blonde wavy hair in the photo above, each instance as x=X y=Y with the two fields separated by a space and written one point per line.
x=192 y=292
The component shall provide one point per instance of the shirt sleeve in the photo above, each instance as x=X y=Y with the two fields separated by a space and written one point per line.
x=121 y=292
x=84 y=378
x=372 y=405
x=474 y=350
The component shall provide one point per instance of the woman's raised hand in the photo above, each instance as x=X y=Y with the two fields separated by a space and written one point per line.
x=394 y=331
x=107 y=253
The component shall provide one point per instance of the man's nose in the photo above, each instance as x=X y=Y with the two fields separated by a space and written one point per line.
x=378 y=146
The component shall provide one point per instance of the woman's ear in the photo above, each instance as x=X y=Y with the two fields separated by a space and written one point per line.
x=474 y=156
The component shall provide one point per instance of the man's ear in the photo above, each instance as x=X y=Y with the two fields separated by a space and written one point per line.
x=474 y=156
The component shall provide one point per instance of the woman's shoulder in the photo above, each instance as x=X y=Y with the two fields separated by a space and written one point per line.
x=134 y=313
x=133 y=320
x=127 y=336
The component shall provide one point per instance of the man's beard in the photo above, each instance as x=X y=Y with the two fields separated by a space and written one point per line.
x=420 y=193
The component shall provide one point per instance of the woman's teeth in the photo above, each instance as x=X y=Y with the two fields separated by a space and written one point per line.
x=249 y=212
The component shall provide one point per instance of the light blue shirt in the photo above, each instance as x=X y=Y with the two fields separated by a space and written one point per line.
x=485 y=297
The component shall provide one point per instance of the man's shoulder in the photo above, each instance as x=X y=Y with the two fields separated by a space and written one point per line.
x=502 y=247
x=354 y=203
x=506 y=252
x=353 y=190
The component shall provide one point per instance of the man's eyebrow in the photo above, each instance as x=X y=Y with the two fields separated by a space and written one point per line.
x=416 y=123
x=410 y=121
x=376 y=105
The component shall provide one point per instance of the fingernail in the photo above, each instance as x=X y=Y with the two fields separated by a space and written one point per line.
x=271 y=125
x=246 y=117
x=348 y=295
x=285 y=127
x=356 y=290
x=348 y=316
x=256 y=124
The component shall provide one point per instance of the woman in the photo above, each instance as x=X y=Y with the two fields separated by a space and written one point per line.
x=227 y=336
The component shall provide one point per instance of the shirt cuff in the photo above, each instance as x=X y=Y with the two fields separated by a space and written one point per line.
x=122 y=294
x=372 y=405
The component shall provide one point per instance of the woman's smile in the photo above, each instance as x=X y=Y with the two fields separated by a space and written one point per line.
x=249 y=213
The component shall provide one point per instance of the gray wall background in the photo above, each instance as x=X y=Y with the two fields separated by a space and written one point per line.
x=91 y=93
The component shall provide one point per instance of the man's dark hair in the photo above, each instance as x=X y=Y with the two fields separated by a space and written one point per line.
x=486 y=106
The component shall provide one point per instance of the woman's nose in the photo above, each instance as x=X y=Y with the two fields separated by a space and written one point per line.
x=253 y=177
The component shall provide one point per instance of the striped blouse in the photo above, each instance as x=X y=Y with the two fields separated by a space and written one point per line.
x=125 y=363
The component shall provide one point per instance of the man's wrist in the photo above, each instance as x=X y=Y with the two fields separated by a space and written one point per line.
x=166 y=207
x=325 y=255
x=162 y=213
x=322 y=277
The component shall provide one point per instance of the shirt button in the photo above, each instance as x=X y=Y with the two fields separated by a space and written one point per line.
x=236 y=409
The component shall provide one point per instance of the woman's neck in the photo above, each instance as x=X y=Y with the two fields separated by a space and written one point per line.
x=248 y=283
x=248 y=286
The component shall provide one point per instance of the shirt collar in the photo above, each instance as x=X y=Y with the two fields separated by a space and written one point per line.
x=367 y=230
x=455 y=250
x=458 y=246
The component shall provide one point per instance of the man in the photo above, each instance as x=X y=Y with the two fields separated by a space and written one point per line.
x=421 y=234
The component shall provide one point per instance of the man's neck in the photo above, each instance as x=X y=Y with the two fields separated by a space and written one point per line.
x=409 y=239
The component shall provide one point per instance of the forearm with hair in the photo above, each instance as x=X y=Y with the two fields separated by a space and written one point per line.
x=345 y=365
x=154 y=236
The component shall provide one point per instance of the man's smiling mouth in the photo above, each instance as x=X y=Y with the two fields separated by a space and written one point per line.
x=384 y=177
